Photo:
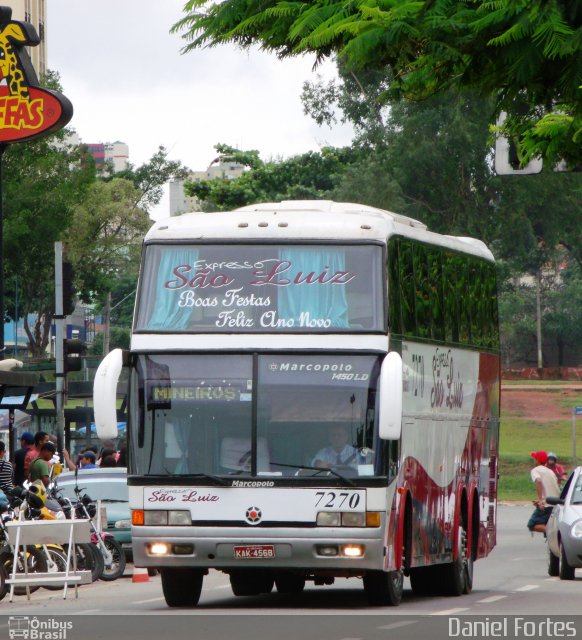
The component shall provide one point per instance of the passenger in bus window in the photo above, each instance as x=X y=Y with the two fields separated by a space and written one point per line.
x=339 y=452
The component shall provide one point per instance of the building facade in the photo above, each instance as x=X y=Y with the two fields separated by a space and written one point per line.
x=218 y=170
x=33 y=11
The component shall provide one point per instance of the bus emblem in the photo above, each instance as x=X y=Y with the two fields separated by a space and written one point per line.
x=253 y=515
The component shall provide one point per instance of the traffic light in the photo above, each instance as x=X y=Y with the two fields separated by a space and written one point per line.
x=68 y=289
x=73 y=351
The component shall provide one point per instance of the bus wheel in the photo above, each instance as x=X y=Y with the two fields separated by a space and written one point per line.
x=458 y=572
x=289 y=583
x=181 y=586
x=384 y=588
x=251 y=583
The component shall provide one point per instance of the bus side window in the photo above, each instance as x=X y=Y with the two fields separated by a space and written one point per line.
x=394 y=287
x=407 y=289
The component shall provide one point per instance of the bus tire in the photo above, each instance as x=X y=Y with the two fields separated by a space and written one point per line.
x=251 y=583
x=384 y=588
x=289 y=583
x=181 y=586
x=456 y=572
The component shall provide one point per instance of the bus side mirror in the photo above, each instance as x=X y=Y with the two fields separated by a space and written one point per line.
x=390 y=405
x=105 y=394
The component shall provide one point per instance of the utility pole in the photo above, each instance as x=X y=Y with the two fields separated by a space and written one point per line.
x=59 y=349
x=539 y=319
x=107 y=332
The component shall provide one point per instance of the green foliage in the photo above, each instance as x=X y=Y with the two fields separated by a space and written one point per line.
x=104 y=238
x=119 y=339
x=42 y=183
x=150 y=178
x=309 y=176
x=526 y=54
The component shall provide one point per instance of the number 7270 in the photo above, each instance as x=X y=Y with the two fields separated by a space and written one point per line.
x=337 y=500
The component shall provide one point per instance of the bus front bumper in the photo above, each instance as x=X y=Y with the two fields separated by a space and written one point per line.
x=342 y=550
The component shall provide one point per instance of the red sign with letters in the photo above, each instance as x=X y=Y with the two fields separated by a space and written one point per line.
x=27 y=111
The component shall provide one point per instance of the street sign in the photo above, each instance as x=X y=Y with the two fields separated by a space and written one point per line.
x=578 y=411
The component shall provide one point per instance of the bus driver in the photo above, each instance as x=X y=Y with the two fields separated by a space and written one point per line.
x=339 y=452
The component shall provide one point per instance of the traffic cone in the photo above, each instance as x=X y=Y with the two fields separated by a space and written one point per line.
x=140 y=575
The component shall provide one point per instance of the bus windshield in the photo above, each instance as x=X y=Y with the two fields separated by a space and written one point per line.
x=261 y=288
x=252 y=416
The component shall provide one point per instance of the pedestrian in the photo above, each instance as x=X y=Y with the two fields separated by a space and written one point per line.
x=6 y=471
x=546 y=487
x=556 y=467
x=40 y=467
x=108 y=458
x=26 y=443
x=87 y=460
x=40 y=437
x=66 y=456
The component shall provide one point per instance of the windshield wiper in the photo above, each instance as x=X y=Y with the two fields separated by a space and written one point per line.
x=318 y=469
x=203 y=475
x=215 y=479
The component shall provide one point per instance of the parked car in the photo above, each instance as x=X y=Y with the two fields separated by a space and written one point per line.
x=564 y=529
x=110 y=486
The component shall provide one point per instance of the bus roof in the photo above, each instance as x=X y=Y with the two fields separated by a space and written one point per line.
x=304 y=220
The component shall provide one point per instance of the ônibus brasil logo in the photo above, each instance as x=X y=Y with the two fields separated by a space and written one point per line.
x=35 y=629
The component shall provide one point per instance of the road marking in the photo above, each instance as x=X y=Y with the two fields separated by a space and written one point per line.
x=396 y=625
x=146 y=601
x=528 y=587
x=86 y=611
x=450 y=612
x=490 y=599
x=220 y=586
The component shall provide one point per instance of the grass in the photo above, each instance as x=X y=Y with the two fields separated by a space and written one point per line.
x=520 y=435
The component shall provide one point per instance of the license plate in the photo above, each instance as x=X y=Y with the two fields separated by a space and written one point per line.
x=253 y=551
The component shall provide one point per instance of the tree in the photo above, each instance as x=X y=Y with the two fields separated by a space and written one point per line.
x=150 y=177
x=308 y=176
x=42 y=183
x=104 y=238
x=526 y=54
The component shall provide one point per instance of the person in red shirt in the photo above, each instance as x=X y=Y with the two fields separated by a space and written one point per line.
x=40 y=437
x=556 y=467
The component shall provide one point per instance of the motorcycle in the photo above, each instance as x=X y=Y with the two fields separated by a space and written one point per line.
x=108 y=551
x=32 y=559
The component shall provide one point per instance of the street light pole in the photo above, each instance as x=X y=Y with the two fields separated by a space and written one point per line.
x=2 y=346
x=59 y=348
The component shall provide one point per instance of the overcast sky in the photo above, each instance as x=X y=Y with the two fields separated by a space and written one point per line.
x=127 y=80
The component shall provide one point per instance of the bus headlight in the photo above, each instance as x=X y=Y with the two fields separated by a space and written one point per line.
x=159 y=549
x=328 y=519
x=348 y=519
x=179 y=518
x=352 y=550
x=163 y=518
x=354 y=519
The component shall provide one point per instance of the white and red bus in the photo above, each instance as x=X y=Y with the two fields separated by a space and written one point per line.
x=313 y=394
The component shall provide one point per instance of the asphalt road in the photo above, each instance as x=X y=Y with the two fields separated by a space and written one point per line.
x=512 y=582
